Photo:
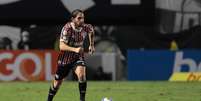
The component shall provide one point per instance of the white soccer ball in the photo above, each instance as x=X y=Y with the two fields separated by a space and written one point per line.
x=106 y=99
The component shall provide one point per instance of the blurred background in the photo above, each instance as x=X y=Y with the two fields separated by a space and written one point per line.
x=134 y=39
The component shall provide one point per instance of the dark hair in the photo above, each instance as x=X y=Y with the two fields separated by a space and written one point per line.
x=76 y=12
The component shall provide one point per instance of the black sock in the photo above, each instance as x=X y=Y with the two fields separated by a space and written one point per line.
x=82 y=89
x=52 y=93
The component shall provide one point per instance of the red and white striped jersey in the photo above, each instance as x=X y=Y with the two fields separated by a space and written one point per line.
x=74 y=38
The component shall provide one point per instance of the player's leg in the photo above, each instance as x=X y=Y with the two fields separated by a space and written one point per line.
x=53 y=89
x=61 y=72
x=80 y=71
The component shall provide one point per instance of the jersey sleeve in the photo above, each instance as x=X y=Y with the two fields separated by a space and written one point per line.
x=65 y=34
x=89 y=28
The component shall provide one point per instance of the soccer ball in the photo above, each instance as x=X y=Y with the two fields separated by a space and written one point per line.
x=106 y=99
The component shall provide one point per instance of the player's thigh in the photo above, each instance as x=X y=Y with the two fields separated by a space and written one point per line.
x=62 y=72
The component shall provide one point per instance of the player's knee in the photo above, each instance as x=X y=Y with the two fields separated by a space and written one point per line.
x=57 y=83
x=57 y=77
x=82 y=78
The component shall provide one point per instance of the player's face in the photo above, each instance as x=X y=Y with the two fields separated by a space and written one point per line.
x=79 y=19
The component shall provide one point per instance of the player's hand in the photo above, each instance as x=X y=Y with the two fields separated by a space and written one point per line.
x=79 y=50
x=91 y=49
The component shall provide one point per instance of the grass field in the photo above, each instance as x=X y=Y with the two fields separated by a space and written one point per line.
x=119 y=91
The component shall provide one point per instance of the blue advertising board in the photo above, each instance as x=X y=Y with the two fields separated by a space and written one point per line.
x=162 y=64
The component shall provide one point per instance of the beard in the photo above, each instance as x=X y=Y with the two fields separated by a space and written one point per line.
x=78 y=24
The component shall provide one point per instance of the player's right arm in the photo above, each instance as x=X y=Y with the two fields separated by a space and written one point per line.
x=65 y=47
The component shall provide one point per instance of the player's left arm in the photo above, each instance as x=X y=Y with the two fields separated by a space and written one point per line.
x=91 y=39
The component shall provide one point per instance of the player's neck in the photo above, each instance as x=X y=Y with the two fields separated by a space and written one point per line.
x=76 y=28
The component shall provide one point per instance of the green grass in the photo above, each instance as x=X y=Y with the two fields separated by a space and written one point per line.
x=119 y=91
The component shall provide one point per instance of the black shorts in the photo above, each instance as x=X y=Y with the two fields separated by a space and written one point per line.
x=63 y=70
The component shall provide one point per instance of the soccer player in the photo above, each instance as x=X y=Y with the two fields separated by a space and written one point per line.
x=71 y=56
